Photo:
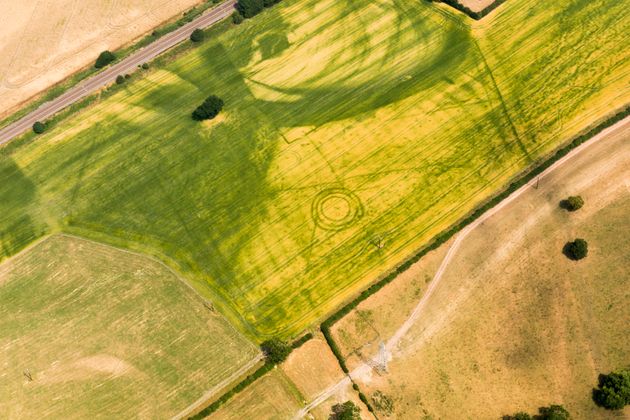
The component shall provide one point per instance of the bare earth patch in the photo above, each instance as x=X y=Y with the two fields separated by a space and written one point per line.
x=45 y=41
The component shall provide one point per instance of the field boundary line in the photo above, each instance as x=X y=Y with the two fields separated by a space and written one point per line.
x=461 y=235
x=218 y=387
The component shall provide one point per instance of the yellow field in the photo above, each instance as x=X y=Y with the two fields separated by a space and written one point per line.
x=45 y=41
x=514 y=325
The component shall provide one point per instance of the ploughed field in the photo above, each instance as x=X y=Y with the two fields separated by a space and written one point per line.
x=352 y=134
x=88 y=331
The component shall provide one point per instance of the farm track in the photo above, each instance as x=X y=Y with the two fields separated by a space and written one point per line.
x=394 y=341
x=108 y=76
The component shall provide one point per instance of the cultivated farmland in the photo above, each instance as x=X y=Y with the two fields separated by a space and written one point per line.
x=87 y=331
x=352 y=133
x=513 y=325
x=45 y=41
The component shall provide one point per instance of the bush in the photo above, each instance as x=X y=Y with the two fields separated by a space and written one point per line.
x=145 y=66
x=39 y=127
x=573 y=203
x=209 y=109
x=104 y=59
x=276 y=350
x=237 y=18
x=576 y=250
x=197 y=35
x=249 y=8
x=345 y=411
x=120 y=79
x=553 y=412
x=613 y=391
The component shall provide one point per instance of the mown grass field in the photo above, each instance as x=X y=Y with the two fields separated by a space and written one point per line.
x=346 y=125
x=105 y=334
x=513 y=324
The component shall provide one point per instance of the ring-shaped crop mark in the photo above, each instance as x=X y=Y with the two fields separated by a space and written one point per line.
x=336 y=209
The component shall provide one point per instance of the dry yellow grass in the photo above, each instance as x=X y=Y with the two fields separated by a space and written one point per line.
x=44 y=41
x=515 y=325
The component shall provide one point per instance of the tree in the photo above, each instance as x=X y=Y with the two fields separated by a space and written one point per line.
x=39 y=127
x=613 y=391
x=120 y=79
x=104 y=59
x=572 y=203
x=345 y=411
x=576 y=250
x=249 y=8
x=276 y=350
x=237 y=18
x=209 y=109
x=197 y=35
x=553 y=412
x=145 y=66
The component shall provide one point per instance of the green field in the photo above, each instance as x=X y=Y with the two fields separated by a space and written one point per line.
x=346 y=124
x=105 y=334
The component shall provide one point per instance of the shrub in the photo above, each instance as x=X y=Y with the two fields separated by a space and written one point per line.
x=104 y=59
x=237 y=18
x=249 y=8
x=145 y=66
x=39 y=127
x=613 y=391
x=120 y=79
x=209 y=109
x=197 y=35
x=276 y=350
x=345 y=411
x=553 y=412
x=577 y=249
x=269 y=3
x=573 y=203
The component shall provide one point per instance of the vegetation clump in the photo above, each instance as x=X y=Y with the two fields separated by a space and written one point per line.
x=197 y=35
x=120 y=79
x=39 y=127
x=572 y=203
x=553 y=412
x=250 y=8
x=209 y=109
x=145 y=66
x=237 y=18
x=613 y=391
x=345 y=411
x=276 y=351
x=104 y=59
x=577 y=249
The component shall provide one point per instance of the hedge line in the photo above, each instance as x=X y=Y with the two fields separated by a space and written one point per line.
x=238 y=388
x=446 y=235
x=298 y=343
x=475 y=15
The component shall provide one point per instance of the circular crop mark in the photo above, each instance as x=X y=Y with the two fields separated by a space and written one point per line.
x=336 y=209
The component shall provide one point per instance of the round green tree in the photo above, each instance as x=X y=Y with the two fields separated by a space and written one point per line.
x=573 y=203
x=613 y=391
x=345 y=411
x=577 y=249
x=197 y=35
x=39 y=127
x=209 y=109
x=237 y=18
x=275 y=350
x=120 y=79
x=104 y=59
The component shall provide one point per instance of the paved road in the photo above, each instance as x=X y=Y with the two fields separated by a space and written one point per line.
x=108 y=76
